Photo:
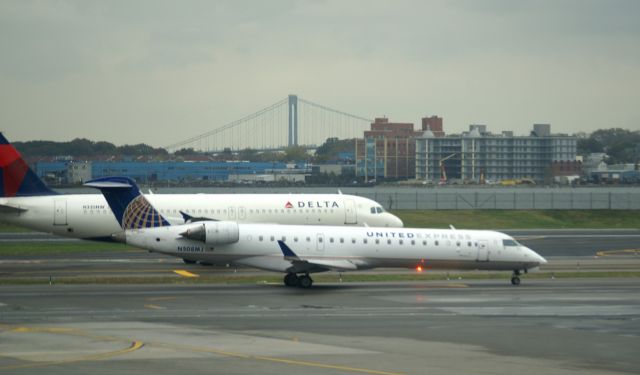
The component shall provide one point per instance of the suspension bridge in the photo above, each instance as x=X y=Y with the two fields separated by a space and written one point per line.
x=292 y=121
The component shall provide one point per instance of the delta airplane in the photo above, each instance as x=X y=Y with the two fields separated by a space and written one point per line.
x=26 y=201
x=300 y=250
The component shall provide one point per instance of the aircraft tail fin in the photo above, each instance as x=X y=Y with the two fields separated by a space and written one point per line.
x=131 y=208
x=16 y=178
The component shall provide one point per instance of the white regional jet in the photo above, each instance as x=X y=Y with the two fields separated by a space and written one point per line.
x=27 y=202
x=300 y=250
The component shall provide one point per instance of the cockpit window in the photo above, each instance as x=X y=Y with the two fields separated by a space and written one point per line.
x=373 y=210
x=506 y=243
x=379 y=210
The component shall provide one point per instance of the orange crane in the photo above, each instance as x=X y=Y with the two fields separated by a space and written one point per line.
x=443 y=172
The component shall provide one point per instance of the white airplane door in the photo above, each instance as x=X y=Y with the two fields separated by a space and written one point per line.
x=59 y=212
x=483 y=251
x=350 y=216
x=241 y=213
x=320 y=242
x=232 y=213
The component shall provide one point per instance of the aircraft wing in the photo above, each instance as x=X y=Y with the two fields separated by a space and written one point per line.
x=309 y=264
x=8 y=209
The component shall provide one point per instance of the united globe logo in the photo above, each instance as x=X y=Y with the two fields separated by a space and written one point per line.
x=140 y=214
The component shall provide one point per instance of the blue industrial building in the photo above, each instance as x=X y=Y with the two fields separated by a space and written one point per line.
x=177 y=171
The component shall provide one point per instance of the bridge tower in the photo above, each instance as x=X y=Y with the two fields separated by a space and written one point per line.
x=293 y=120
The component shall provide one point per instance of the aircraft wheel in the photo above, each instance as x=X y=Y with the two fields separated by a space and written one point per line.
x=515 y=280
x=188 y=261
x=291 y=279
x=305 y=281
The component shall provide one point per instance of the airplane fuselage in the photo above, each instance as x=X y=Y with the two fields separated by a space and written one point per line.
x=343 y=248
x=88 y=216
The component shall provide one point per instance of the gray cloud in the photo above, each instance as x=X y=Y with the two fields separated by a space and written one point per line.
x=123 y=70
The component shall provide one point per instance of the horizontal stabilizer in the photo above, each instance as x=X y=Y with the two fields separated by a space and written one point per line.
x=192 y=219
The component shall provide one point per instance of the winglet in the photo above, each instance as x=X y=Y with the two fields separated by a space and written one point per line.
x=186 y=217
x=131 y=208
x=286 y=251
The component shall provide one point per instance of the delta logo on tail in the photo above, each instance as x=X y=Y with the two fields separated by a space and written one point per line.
x=16 y=178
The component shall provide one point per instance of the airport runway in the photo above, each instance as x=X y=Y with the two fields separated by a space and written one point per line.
x=566 y=250
x=588 y=326
x=547 y=242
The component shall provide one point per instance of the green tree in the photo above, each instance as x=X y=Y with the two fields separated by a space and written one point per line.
x=620 y=144
x=296 y=153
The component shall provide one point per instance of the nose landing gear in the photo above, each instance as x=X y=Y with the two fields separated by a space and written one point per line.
x=515 y=279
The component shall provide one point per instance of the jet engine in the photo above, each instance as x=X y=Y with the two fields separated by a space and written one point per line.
x=213 y=232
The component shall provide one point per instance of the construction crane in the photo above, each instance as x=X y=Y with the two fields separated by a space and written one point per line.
x=443 y=172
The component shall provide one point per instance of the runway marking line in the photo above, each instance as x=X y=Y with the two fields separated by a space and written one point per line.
x=529 y=238
x=135 y=345
x=275 y=359
x=186 y=273
x=154 y=307
x=151 y=299
x=617 y=252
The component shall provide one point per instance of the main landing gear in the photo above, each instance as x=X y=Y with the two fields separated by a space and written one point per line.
x=302 y=281
x=515 y=280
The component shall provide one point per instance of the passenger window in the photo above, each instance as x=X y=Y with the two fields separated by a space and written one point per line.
x=353 y=240
x=458 y=243
x=284 y=238
x=319 y=239
x=424 y=242
x=437 y=243
x=341 y=240
x=377 y=241
x=260 y=238
x=469 y=243
x=388 y=242
x=272 y=238
x=331 y=239
x=364 y=241
x=413 y=242
x=400 y=242
x=308 y=239
x=295 y=239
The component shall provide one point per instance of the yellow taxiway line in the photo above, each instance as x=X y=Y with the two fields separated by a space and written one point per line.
x=618 y=252
x=186 y=273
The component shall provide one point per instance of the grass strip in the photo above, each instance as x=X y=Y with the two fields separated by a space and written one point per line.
x=346 y=278
x=520 y=219
x=57 y=248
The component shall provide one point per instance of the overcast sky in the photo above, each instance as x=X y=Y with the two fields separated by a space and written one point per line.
x=162 y=71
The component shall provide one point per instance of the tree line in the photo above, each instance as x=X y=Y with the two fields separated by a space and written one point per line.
x=622 y=146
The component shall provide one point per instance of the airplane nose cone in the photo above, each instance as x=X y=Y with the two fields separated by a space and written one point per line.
x=542 y=260
x=537 y=257
x=398 y=223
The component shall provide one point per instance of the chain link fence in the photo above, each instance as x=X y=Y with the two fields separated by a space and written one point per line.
x=442 y=199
